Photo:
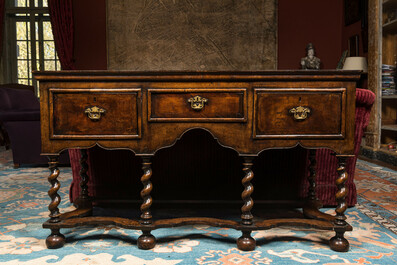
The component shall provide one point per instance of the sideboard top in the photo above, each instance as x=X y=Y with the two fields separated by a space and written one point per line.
x=86 y=75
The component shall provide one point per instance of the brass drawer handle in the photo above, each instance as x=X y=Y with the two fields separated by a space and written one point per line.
x=94 y=113
x=300 y=113
x=197 y=102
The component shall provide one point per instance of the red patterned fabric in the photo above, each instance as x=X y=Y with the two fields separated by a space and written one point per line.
x=121 y=179
x=61 y=16
x=327 y=162
x=110 y=168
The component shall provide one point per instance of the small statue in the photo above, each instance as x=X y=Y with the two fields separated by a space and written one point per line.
x=310 y=61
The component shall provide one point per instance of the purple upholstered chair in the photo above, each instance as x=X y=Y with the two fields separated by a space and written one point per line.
x=20 y=118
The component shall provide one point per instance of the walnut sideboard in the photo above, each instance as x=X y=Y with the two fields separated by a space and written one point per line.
x=246 y=111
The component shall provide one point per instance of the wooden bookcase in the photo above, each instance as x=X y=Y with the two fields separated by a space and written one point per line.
x=389 y=56
x=382 y=129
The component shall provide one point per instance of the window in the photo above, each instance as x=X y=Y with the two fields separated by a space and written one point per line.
x=30 y=43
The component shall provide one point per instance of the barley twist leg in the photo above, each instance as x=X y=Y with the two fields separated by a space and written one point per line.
x=246 y=241
x=55 y=239
x=146 y=240
x=312 y=195
x=338 y=242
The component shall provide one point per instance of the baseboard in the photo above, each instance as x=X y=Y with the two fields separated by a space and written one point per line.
x=380 y=155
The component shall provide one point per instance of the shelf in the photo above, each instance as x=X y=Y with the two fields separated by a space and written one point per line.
x=390 y=97
x=385 y=150
x=390 y=26
x=392 y=127
x=389 y=4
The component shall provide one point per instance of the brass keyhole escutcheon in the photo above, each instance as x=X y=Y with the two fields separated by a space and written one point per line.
x=300 y=113
x=197 y=102
x=94 y=113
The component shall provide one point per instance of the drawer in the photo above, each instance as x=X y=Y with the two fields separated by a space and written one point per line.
x=197 y=105
x=299 y=113
x=95 y=113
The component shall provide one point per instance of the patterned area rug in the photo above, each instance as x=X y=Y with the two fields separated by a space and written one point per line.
x=24 y=201
x=377 y=193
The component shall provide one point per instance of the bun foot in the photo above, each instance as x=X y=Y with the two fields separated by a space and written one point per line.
x=146 y=240
x=246 y=242
x=55 y=240
x=339 y=243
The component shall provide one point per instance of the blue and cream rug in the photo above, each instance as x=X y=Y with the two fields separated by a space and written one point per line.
x=24 y=201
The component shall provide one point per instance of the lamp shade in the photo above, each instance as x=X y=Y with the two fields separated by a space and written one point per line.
x=356 y=63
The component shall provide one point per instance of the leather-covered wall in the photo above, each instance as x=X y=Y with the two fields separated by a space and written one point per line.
x=192 y=35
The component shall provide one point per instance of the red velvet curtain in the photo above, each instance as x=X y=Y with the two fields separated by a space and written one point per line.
x=61 y=15
x=1 y=25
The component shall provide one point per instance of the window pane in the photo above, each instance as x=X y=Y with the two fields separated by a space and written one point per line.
x=23 y=30
x=21 y=3
x=22 y=69
x=49 y=50
x=22 y=50
x=23 y=81
x=49 y=65
x=45 y=3
x=37 y=51
x=30 y=69
x=58 y=65
x=36 y=27
x=47 y=31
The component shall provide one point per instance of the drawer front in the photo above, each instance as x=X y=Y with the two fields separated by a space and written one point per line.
x=95 y=113
x=299 y=113
x=197 y=105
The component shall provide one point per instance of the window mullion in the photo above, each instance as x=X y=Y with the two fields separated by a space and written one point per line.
x=32 y=20
x=28 y=47
x=41 y=43
x=22 y=10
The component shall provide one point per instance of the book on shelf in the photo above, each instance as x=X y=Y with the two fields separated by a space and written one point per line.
x=388 y=79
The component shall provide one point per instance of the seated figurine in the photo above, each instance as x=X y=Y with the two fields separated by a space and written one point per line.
x=310 y=61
